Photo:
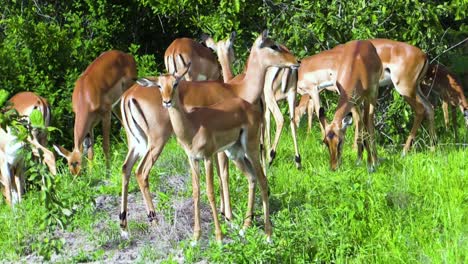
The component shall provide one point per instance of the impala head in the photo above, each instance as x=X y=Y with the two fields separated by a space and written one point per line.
x=271 y=54
x=167 y=84
x=74 y=158
x=334 y=137
x=223 y=48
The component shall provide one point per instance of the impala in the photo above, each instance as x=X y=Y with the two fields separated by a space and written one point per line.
x=439 y=82
x=248 y=86
x=357 y=79
x=96 y=91
x=280 y=84
x=404 y=66
x=183 y=51
x=206 y=129
x=148 y=128
x=11 y=162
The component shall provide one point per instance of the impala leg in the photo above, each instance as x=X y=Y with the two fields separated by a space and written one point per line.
x=254 y=163
x=19 y=182
x=7 y=183
x=360 y=135
x=126 y=171
x=211 y=198
x=195 y=170
x=221 y=187
x=356 y=129
x=292 y=105
x=445 y=110
x=371 y=129
x=279 y=120
x=369 y=136
x=453 y=111
x=418 y=109
x=314 y=95
x=267 y=131
x=310 y=114
x=142 y=174
x=249 y=173
x=301 y=109
x=106 y=124
x=223 y=163
x=430 y=117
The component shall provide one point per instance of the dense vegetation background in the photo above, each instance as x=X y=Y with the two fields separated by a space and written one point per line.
x=45 y=45
x=410 y=210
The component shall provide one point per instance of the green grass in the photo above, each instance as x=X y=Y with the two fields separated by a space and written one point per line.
x=412 y=209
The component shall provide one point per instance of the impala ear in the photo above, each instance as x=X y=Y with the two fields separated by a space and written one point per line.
x=209 y=42
x=62 y=151
x=347 y=121
x=145 y=82
x=265 y=34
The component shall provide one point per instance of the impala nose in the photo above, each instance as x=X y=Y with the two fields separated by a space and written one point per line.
x=167 y=104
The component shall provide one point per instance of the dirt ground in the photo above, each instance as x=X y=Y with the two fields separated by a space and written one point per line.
x=156 y=242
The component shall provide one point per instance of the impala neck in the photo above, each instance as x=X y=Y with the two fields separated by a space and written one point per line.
x=179 y=119
x=225 y=63
x=81 y=129
x=251 y=87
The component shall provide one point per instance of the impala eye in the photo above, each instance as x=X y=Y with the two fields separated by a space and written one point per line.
x=275 y=47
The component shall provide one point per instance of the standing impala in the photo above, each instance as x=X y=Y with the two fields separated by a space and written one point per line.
x=439 y=82
x=280 y=84
x=183 y=51
x=96 y=92
x=201 y=133
x=357 y=79
x=11 y=163
x=148 y=128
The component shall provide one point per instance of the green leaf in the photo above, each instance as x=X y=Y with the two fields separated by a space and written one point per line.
x=36 y=118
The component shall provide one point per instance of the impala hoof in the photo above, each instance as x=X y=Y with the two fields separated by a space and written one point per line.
x=269 y=240
x=194 y=243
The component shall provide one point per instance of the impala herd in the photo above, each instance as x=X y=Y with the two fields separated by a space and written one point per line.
x=217 y=116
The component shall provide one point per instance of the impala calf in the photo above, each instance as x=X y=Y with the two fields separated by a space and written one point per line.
x=96 y=92
x=357 y=80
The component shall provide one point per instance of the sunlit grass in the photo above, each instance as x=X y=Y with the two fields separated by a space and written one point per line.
x=412 y=209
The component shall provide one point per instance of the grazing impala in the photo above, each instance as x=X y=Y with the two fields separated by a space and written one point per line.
x=206 y=130
x=96 y=92
x=11 y=163
x=148 y=128
x=439 y=82
x=404 y=65
x=357 y=79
